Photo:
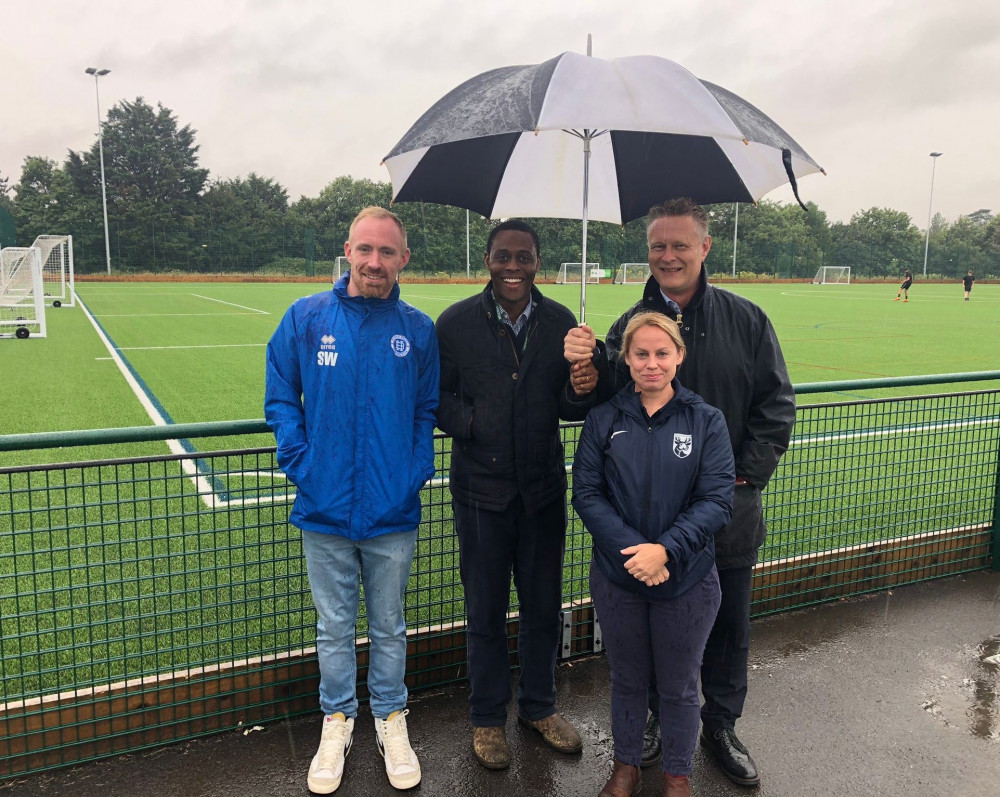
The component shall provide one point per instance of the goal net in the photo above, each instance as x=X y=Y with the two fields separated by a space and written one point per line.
x=340 y=267
x=833 y=275
x=22 y=295
x=57 y=268
x=571 y=273
x=631 y=273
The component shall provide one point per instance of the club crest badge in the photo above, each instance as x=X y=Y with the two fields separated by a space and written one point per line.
x=400 y=345
x=682 y=445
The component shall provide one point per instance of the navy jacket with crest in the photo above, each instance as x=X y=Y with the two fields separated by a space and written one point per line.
x=666 y=479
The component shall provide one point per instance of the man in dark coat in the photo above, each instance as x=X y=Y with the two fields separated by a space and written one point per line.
x=504 y=387
x=735 y=363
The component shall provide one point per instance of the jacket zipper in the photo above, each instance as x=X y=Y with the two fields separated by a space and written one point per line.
x=648 y=496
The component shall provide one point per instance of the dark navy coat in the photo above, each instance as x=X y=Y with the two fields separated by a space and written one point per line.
x=666 y=479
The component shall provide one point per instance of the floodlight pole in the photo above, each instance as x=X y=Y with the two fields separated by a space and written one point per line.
x=736 y=227
x=930 y=204
x=99 y=73
x=467 y=274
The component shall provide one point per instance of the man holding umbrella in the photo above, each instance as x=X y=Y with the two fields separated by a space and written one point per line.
x=504 y=387
x=735 y=363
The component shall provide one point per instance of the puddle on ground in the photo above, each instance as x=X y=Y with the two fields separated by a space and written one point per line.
x=985 y=710
x=975 y=697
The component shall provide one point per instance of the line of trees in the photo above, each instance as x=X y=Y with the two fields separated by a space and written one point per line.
x=166 y=213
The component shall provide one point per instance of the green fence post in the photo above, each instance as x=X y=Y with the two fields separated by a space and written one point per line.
x=996 y=514
x=310 y=252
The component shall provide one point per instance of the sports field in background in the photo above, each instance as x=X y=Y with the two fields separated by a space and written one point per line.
x=195 y=351
x=121 y=570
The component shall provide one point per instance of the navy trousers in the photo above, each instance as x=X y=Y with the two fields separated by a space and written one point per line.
x=492 y=547
x=665 y=636
x=727 y=652
x=724 y=669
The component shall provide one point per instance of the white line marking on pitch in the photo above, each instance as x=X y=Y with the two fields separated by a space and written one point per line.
x=189 y=467
x=165 y=315
x=894 y=431
x=231 y=304
x=203 y=346
x=431 y=298
x=134 y=292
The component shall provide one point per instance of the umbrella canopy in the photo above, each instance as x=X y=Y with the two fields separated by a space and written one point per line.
x=509 y=142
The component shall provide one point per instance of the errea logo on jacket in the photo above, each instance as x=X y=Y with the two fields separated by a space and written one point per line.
x=327 y=354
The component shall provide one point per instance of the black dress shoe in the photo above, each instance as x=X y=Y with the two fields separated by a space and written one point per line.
x=652 y=744
x=732 y=756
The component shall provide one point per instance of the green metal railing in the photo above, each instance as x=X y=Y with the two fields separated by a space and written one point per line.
x=150 y=599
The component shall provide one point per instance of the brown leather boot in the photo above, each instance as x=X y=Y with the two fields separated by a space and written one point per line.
x=556 y=731
x=675 y=786
x=489 y=745
x=625 y=781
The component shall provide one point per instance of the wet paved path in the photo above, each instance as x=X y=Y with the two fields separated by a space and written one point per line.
x=888 y=695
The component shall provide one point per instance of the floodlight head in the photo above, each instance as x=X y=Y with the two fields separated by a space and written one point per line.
x=936 y=154
x=103 y=72
x=91 y=70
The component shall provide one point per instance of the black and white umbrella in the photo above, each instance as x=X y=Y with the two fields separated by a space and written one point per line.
x=508 y=143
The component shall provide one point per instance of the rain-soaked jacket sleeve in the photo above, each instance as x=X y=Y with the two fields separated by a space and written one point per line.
x=591 y=496
x=454 y=412
x=283 y=408
x=710 y=503
x=771 y=415
x=424 y=419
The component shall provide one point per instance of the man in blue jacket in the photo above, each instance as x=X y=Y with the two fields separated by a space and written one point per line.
x=351 y=391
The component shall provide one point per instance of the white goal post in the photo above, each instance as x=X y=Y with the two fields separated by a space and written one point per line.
x=57 y=269
x=569 y=273
x=631 y=273
x=340 y=267
x=833 y=275
x=22 y=294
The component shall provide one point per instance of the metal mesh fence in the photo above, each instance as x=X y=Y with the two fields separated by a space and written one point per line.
x=155 y=599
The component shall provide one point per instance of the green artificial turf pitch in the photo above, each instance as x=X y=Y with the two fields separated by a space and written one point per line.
x=198 y=349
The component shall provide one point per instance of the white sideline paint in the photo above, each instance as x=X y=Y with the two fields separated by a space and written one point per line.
x=200 y=346
x=892 y=432
x=171 y=315
x=437 y=481
x=429 y=297
x=201 y=484
x=231 y=304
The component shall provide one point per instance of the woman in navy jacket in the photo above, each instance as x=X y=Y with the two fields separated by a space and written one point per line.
x=653 y=481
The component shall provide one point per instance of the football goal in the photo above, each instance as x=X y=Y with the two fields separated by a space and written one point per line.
x=833 y=275
x=571 y=273
x=631 y=273
x=340 y=267
x=57 y=268
x=22 y=295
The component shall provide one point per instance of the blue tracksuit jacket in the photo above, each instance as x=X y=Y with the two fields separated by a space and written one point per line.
x=350 y=393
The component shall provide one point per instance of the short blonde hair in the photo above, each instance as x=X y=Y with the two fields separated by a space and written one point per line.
x=650 y=319
x=375 y=212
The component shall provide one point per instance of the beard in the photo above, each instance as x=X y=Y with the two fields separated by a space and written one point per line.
x=380 y=290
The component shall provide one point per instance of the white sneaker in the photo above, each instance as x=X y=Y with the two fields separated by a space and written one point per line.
x=327 y=767
x=401 y=763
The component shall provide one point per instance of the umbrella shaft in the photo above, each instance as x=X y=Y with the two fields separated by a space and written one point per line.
x=583 y=260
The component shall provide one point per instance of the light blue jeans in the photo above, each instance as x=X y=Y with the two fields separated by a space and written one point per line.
x=337 y=567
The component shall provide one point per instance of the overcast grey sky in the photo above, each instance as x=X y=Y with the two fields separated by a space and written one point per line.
x=303 y=91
